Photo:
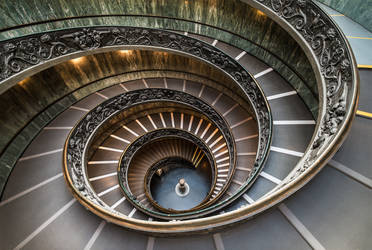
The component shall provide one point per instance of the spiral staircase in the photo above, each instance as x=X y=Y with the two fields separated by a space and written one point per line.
x=154 y=125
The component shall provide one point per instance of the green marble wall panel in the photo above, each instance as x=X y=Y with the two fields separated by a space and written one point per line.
x=230 y=21
x=233 y=16
x=358 y=10
x=307 y=89
x=23 y=138
x=25 y=100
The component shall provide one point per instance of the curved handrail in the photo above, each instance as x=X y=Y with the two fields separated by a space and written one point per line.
x=335 y=68
x=29 y=53
x=336 y=71
x=134 y=147
x=79 y=139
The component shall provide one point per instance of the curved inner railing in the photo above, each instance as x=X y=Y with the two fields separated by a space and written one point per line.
x=58 y=45
x=80 y=138
x=335 y=66
x=143 y=141
x=327 y=50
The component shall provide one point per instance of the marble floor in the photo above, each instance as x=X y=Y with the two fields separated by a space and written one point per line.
x=359 y=38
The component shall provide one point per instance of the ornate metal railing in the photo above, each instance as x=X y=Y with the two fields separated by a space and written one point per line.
x=324 y=44
x=77 y=145
x=28 y=54
x=144 y=140
x=335 y=67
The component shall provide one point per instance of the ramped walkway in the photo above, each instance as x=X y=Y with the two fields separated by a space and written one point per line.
x=359 y=38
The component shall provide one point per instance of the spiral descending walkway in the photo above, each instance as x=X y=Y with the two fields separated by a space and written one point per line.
x=331 y=212
x=293 y=128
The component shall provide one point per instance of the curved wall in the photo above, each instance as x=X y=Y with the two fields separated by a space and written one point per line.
x=35 y=101
x=230 y=21
x=233 y=22
x=36 y=93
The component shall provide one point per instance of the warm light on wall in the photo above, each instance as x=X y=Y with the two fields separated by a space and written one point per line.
x=125 y=52
x=77 y=60
x=24 y=81
x=160 y=53
x=260 y=13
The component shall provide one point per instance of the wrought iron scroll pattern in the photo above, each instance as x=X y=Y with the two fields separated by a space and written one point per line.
x=334 y=59
x=149 y=137
x=81 y=134
x=23 y=53
x=313 y=25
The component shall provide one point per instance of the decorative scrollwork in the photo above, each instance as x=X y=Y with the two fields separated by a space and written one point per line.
x=86 y=39
x=144 y=140
x=339 y=85
x=307 y=20
x=78 y=140
x=334 y=59
x=64 y=42
x=20 y=54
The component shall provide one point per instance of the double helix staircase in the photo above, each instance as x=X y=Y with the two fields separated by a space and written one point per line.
x=249 y=175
